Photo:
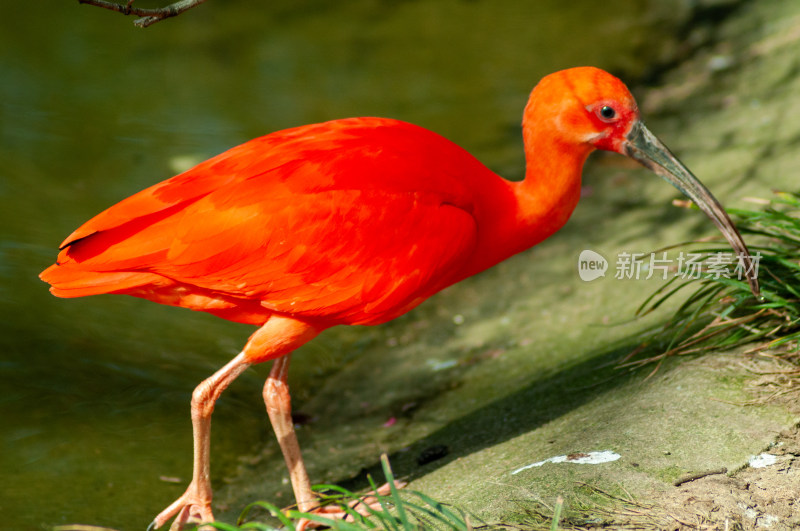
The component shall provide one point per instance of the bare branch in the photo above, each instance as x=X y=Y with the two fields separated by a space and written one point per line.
x=148 y=16
x=691 y=477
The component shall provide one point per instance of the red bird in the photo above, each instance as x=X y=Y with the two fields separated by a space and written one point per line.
x=348 y=222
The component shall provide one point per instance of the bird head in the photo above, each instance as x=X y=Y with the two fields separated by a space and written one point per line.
x=588 y=108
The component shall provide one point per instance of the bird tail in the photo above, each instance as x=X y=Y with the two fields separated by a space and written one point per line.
x=68 y=280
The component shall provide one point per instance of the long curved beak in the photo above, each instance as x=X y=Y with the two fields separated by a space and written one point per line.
x=643 y=146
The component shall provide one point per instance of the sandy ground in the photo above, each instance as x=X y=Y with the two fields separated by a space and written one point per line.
x=766 y=497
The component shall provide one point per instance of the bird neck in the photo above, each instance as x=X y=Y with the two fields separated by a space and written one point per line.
x=551 y=189
x=521 y=214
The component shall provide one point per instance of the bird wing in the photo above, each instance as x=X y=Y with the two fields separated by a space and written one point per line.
x=354 y=222
x=344 y=253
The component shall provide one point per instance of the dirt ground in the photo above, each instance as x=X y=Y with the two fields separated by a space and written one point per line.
x=750 y=498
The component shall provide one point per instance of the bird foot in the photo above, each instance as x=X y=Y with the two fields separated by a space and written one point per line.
x=364 y=505
x=190 y=509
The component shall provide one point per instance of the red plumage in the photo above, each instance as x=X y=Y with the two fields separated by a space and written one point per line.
x=352 y=221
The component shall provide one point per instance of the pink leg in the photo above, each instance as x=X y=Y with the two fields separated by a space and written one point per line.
x=275 y=338
x=194 y=506
x=279 y=408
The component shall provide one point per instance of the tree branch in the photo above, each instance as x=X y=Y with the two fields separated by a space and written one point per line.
x=149 y=16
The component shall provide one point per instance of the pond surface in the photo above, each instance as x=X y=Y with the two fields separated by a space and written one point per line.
x=96 y=391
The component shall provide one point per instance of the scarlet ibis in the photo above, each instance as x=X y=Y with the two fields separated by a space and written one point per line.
x=348 y=222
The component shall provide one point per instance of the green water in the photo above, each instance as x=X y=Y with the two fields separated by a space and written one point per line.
x=96 y=392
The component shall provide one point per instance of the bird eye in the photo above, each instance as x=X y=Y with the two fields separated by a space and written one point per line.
x=606 y=113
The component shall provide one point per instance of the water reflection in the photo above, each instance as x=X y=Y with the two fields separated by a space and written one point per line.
x=96 y=391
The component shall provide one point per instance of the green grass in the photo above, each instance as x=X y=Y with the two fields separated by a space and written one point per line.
x=410 y=511
x=722 y=313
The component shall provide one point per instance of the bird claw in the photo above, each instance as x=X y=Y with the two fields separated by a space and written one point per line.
x=364 y=506
x=191 y=509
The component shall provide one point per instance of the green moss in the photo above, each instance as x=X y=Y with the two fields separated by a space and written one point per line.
x=670 y=473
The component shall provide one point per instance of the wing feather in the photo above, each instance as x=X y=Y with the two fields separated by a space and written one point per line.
x=351 y=221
